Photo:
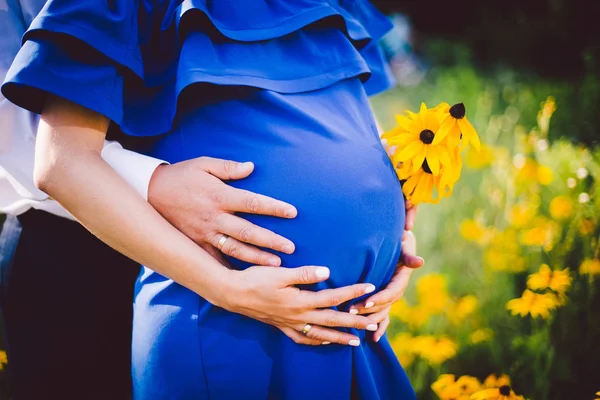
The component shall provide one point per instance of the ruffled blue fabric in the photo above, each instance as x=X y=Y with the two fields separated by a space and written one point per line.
x=138 y=58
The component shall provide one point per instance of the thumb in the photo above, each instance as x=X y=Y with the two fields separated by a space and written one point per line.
x=412 y=261
x=306 y=275
x=226 y=169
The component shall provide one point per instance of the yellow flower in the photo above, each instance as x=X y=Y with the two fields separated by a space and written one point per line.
x=434 y=350
x=522 y=213
x=414 y=317
x=586 y=227
x=481 y=159
x=531 y=172
x=471 y=230
x=543 y=233
x=561 y=207
x=455 y=125
x=481 y=335
x=462 y=309
x=419 y=186
x=432 y=293
x=598 y=394
x=3 y=359
x=443 y=382
x=557 y=280
x=403 y=348
x=468 y=384
x=493 y=381
x=537 y=305
x=501 y=393
x=414 y=137
x=504 y=253
x=590 y=267
x=545 y=113
x=544 y=175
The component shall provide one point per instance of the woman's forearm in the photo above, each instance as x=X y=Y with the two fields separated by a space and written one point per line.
x=70 y=169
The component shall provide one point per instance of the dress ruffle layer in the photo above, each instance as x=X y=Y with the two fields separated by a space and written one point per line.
x=133 y=61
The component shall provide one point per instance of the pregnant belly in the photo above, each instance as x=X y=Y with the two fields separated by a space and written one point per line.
x=319 y=152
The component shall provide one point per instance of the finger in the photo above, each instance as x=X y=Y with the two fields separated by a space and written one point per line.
x=411 y=214
x=305 y=275
x=392 y=293
x=299 y=338
x=238 y=200
x=247 y=232
x=411 y=261
x=334 y=297
x=326 y=335
x=225 y=169
x=236 y=249
x=381 y=315
x=381 y=330
x=369 y=310
x=338 y=319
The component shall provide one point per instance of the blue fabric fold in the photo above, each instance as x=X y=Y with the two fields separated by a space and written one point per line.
x=140 y=56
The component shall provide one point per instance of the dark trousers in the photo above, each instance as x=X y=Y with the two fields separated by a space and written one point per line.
x=66 y=303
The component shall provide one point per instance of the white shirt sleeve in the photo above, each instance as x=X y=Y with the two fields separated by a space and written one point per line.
x=18 y=129
x=135 y=168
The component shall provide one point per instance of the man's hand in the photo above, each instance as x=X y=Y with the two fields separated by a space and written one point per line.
x=192 y=196
x=378 y=306
x=269 y=295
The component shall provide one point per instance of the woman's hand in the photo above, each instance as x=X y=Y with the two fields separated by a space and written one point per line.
x=270 y=296
x=378 y=306
x=192 y=196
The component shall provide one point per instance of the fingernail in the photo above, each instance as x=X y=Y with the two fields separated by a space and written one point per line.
x=274 y=261
x=372 y=327
x=369 y=304
x=322 y=272
x=370 y=289
x=326 y=343
x=376 y=338
x=244 y=165
x=353 y=311
x=290 y=212
x=354 y=343
x=287 y=248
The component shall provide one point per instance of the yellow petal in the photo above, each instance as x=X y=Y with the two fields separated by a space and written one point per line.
x=410 y=184
x=423 y=108
x=418 y=159
x=410 y=150
x=444 y=129
x=433 y=160
x=406 y=123
x=469 y=132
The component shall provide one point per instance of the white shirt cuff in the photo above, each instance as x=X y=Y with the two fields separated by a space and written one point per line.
x=135 y=168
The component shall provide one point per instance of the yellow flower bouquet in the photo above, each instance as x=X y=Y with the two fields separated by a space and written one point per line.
x=425 y=149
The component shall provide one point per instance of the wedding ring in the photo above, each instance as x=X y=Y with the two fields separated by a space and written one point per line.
x=222 y=242
x=306 y=328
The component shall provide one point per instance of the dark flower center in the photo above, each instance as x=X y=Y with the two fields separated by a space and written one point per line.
x=504 y=390
x=458 y=110
x=426 y=136
x=426 y=168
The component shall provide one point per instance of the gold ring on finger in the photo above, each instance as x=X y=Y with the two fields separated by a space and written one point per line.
x=306 y=328
x=222 y=242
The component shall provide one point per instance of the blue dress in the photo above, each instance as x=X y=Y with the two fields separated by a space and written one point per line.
x=278 y=82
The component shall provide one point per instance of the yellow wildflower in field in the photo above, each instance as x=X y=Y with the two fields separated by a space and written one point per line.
x=543 y=233
x=493 y=381
x=590 y=267
x=557 y=280
x=586 y=227
x=504 y=253
x=481 y=159
x=403 y=348
x=434 y=350
x=561 y=207
x=598 y=395
x=447 y=388
x=530 y=171
x=522 y=213
x=481 y=335
x=535 y=304
x=545 y=113
x=462 y=309
x=544 y=175
x=471 y=230
x=432 y=293
x=3 y=359
x=415 y=317
x=444 y=384
x=501 y=393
